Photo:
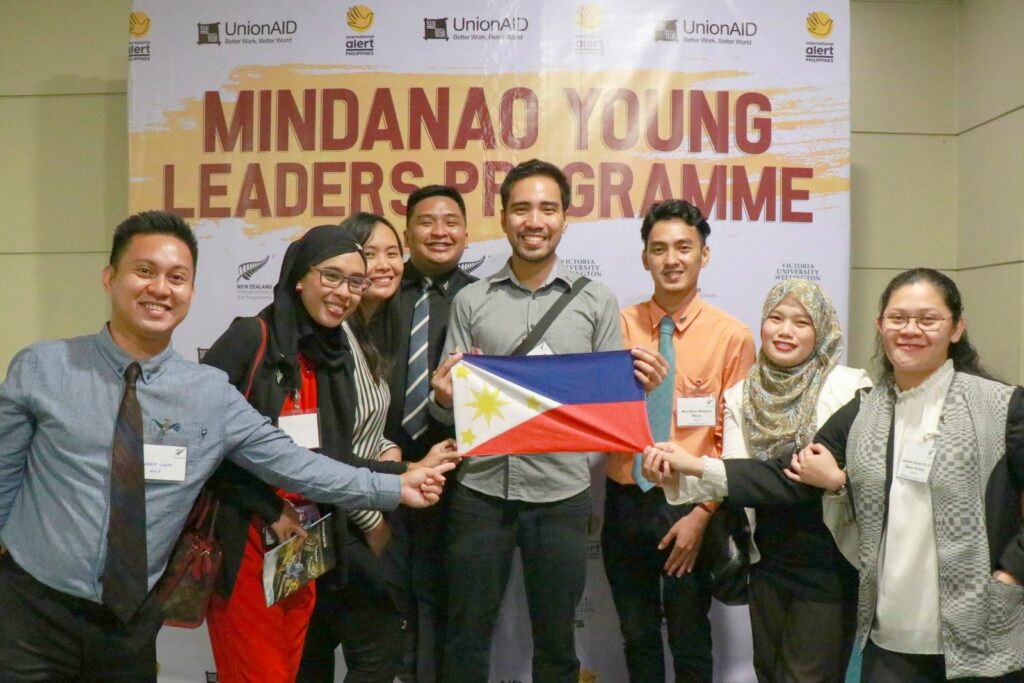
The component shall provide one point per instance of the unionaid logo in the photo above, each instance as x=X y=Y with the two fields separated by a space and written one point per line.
x=819 y=25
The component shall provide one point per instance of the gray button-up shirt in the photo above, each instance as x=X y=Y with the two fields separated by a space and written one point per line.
x=58 y=406
x=495 y=315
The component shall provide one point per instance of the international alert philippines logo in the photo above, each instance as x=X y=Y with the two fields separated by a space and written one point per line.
x=360 y=18
x=589 y=17
x=138 y=28
x=138 y=24
x=819 y=25
x=208 y=34
x=435 y=29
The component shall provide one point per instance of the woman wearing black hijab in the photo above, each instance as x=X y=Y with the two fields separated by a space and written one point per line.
x=307 y=370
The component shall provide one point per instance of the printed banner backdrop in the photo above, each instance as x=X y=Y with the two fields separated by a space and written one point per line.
x=256 y=120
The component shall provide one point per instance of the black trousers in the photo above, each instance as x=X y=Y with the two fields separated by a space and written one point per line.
x=363 y=616
x=885 y=666
x=483 y=533
x=47 y=635
x=798 y=640
x=634 y=524
x=427 y=533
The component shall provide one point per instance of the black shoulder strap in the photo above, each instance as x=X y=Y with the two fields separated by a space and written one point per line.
x=541 y=327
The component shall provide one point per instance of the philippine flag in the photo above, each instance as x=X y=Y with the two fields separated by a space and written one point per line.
x=540 y=404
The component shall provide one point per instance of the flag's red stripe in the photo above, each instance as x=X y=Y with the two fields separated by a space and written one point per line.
x=580 y=427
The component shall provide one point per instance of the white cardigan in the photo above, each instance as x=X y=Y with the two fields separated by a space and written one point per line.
x=839 y=388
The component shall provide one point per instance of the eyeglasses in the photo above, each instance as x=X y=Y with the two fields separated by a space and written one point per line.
x=929 y=322
x=332 y=279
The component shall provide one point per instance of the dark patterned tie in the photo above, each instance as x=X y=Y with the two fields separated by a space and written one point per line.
x=417 y=382
x=125 y=574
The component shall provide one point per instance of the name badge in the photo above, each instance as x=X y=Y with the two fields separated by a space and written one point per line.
x=695 y=411
x=916 y=460
x=164 y=463
x=304 y=428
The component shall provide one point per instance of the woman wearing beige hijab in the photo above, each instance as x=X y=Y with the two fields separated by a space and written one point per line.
x=803 y=591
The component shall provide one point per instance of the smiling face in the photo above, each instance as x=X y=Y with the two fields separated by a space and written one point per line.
x=436 y=235
x=326 y=306
x=150 y=291
x=916 y=354
x=674 y=255
x=384 y=265
x=534 y=219
x=787 y=334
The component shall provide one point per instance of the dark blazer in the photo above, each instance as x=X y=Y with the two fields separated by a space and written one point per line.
x=243 y=495
x=441 y=297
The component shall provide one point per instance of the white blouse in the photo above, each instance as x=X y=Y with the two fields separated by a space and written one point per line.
x=907 y=615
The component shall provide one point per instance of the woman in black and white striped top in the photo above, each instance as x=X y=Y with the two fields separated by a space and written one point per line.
x=366 y=616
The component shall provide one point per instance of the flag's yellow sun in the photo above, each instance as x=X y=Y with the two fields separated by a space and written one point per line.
x=487 y=404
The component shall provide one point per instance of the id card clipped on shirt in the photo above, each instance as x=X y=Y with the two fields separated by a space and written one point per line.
x=303 y=428
x=697 y=409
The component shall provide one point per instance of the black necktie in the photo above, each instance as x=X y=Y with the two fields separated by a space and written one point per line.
x=125 y=574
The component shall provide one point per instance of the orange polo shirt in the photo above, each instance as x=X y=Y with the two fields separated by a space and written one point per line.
x=713 y=352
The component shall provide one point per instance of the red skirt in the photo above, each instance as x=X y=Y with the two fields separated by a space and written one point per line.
x=253 y=643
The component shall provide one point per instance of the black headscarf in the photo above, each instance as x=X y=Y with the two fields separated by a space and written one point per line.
x=292 y=326
x=292 y=331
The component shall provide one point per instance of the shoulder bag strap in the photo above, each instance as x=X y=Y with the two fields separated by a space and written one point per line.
x=258 y=359
x=545 y=322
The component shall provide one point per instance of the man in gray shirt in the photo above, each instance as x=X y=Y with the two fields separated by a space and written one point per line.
x=538 y=503
x=58 y=407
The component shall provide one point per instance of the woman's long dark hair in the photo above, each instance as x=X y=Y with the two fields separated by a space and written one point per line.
x=962 y=352
x=377 y=337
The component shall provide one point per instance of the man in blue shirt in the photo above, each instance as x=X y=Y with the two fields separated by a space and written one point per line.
x=58 y=409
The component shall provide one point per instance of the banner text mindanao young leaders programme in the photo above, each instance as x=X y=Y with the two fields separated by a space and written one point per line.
x=622 y=156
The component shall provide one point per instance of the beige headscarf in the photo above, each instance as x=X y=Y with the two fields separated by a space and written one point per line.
x=780 y=404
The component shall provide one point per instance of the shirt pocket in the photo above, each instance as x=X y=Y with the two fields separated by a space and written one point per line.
x=696 y=385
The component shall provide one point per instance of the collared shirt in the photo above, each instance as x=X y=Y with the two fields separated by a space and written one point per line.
x=495 y=315
x=713 y=352
x=907 y=612
x=442 y=292
x=58 y=406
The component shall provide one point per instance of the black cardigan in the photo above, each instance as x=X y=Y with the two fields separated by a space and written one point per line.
x=753 y=483
x=242 y=494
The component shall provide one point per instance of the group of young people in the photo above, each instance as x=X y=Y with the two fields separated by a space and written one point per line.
x=886 y=518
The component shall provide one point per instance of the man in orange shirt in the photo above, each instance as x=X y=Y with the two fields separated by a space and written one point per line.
x=651 y=548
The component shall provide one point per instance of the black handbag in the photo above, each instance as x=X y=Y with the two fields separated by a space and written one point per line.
x=725 y=552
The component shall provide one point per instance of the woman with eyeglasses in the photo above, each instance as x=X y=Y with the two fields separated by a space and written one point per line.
x=306 y=384
x=933 y=459
x=367 y=614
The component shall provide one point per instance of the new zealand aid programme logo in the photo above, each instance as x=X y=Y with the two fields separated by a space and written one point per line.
x=248 y=290
x=819 y=26
x=589 y=18
x=360 y=20
x=138 y=28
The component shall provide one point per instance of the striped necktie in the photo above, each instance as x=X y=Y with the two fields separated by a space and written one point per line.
x=659 y=401
x=125 y=574
x=417 y=388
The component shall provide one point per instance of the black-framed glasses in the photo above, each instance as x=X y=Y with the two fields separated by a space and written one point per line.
x=929 y=322
x=332 y=279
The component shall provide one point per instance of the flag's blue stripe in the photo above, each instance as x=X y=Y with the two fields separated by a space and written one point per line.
x=603 y=377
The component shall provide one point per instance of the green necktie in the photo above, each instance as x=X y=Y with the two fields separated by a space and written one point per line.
x=659 y=401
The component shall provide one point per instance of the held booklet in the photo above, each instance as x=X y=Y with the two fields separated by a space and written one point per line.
x=294 y=563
